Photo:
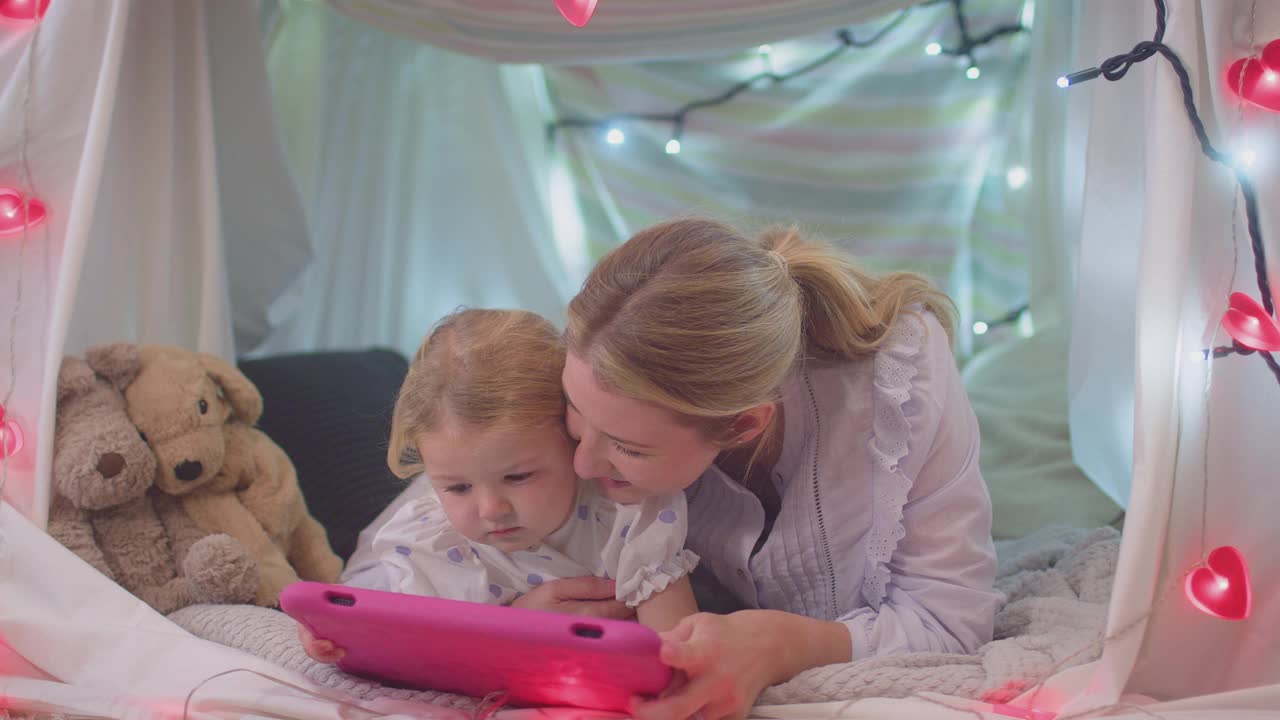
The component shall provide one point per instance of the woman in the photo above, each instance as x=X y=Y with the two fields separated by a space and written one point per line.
x=814 y=416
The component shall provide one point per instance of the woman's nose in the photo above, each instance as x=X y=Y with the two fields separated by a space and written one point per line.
x=589 y=460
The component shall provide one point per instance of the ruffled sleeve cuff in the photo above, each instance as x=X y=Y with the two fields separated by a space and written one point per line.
x=645 y=581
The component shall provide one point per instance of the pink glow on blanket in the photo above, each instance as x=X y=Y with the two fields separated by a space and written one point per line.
x=1021 y=712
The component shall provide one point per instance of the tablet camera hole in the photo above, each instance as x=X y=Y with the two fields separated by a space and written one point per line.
x=595 y=632
x=341 y=599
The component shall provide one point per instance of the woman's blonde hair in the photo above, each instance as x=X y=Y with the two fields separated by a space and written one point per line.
x=483 y=370
x=695 y=317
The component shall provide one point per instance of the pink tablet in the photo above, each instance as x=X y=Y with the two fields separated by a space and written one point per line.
x=539 y=658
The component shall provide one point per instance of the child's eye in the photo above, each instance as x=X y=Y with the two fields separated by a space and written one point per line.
x=627 y=451
x=459 y=489
x=517 y=477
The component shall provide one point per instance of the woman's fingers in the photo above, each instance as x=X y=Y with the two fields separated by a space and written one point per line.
x=679 y=705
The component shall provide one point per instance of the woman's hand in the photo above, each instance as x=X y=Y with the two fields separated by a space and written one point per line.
x=724 y=662
x=586 y=595
x=322 y=651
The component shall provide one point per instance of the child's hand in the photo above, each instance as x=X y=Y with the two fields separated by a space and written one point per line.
x=322 y=651
x=586 y=595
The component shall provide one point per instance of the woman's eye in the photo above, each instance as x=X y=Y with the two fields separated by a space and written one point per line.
x=457 y=489
x=627 y=451
x=518 y=477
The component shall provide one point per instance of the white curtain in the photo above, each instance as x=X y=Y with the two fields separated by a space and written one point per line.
x=423 y=176
x=521 y=31
x=138 y=172
x=1156 y=267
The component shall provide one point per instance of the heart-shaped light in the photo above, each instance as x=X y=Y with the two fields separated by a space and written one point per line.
x=1221 y=587
x=577 y=12
x=11 y=437
x=11 y=216
x=1271 y=56
x=23 y=9
x=1256 y=81
x=1249 y=324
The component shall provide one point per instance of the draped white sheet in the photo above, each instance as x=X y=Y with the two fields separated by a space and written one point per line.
x=621 y=30
x=423 y=174
x=124 y=155
x=1154 y=274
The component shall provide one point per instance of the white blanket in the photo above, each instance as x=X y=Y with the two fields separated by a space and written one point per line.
x=1057 y=582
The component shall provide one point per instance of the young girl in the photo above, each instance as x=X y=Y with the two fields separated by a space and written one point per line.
x=481 y=412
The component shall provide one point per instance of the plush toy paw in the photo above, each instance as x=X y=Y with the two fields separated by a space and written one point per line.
x=221 y=570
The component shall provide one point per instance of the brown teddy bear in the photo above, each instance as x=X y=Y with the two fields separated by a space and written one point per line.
x=197 y=413
x=105 y=511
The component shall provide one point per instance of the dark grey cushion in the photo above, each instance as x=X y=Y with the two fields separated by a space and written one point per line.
x=331 y=412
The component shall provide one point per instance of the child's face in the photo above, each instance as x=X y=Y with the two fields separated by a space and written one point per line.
x=507 y=489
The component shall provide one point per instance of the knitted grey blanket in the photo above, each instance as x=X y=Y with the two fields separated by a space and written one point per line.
x=1057 y=583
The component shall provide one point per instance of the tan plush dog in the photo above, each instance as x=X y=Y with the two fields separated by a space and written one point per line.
x=197 y=413
x=105 y=511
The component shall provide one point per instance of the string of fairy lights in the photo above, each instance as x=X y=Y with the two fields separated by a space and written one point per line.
x=612 y=127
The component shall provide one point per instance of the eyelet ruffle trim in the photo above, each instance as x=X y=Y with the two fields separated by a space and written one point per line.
x=890 y=442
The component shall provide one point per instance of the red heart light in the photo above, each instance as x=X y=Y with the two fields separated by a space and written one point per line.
x=577 y=12
x=23 y=9
x=11 y=216
x=1221 y=587
x=11 y=438
x=1249 y=324
x=1271 y=56
x=1258 y=80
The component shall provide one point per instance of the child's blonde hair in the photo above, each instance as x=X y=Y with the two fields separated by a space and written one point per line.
x=697 y=318
x=483 y=370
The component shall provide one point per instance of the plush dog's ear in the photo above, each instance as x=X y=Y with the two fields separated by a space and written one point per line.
x=240 y=392
x=75 y=377
x=118 y=362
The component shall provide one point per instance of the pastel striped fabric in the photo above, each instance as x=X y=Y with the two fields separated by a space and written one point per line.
x=894 y=153
x=532 y=31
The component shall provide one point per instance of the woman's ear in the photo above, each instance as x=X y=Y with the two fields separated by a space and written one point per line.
x=752 y=422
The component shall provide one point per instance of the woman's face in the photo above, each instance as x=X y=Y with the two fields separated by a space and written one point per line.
x=633 y=448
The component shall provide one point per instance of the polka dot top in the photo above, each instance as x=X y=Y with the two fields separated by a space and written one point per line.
x=415 y=550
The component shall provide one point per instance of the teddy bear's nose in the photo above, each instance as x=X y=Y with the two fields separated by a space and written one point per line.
x=188 y=470
x=110 y=464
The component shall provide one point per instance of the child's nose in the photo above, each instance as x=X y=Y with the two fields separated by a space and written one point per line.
x=494 y=507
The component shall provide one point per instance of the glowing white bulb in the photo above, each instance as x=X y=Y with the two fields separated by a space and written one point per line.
x=980 y=328
x=11 y=212
x=1016 y=176
x=764 y=49
x=1063 y=82
x=1271 y=76
x=973 y=72
x=1248 y=157
x=673 y=147
x=933 y=48
x=1223 y=584
x=615 y=136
